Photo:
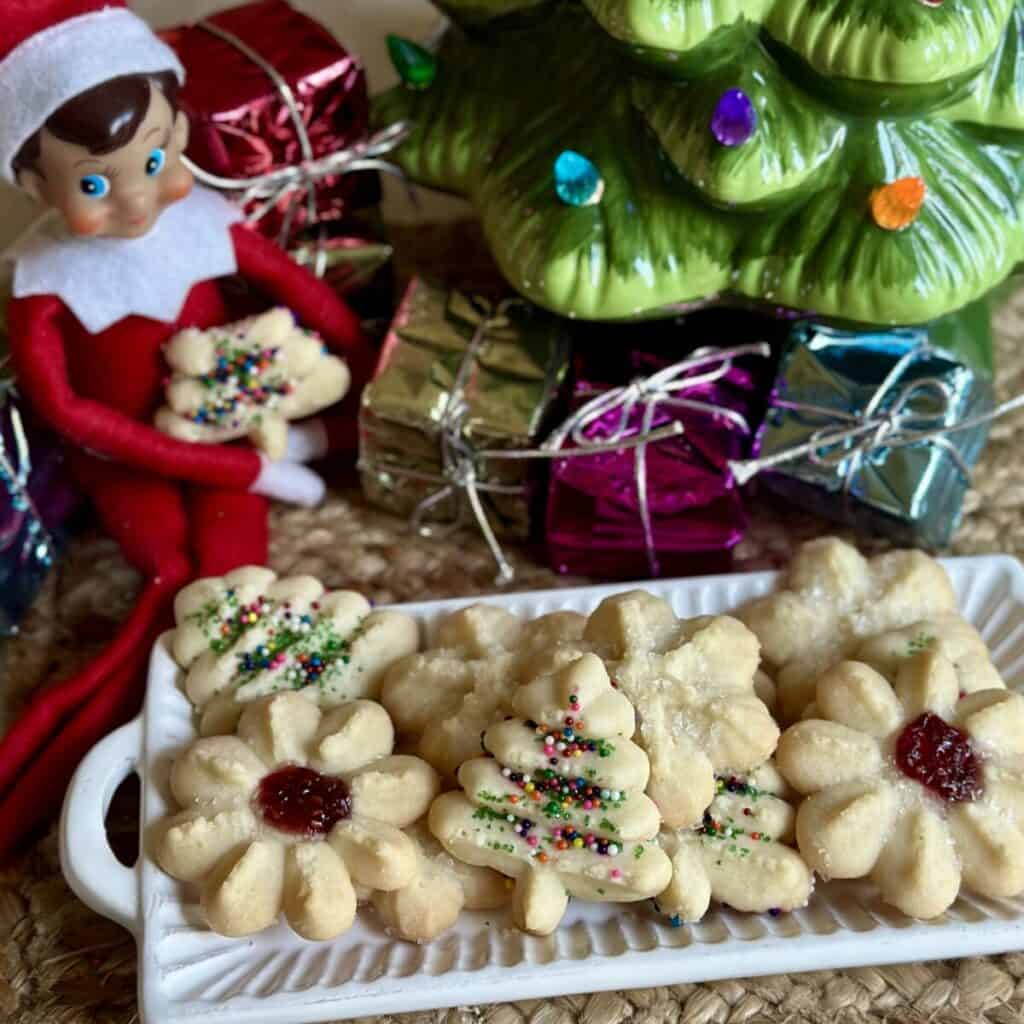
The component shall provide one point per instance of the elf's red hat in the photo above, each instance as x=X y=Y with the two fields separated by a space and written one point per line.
x=54 y=50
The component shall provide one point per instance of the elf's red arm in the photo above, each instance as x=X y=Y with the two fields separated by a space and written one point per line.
x=318 y=307
x=37 y=348
x=314 y=303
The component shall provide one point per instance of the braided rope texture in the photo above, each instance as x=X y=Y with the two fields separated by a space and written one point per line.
x=61 y=964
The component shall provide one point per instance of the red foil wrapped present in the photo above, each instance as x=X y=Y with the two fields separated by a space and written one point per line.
x=241 y=65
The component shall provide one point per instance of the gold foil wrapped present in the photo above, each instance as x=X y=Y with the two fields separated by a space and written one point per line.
x=460 y=375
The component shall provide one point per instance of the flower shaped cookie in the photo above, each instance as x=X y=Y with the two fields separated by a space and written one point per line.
x=441 y=889
x=693 y=686
x=248 y=380
x=910 y=785
x=248 y=634
x=445 y=697
x=950 y=636
x=833 y=599
x=739 y=854
x=292 y=813
x=559 y=806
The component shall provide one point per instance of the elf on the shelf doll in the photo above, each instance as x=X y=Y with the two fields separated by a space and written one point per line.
x=128 y=255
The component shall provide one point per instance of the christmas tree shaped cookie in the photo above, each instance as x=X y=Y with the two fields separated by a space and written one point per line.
x=560 y=805
x=740 y=854
x=248 y=634
x=248 y=380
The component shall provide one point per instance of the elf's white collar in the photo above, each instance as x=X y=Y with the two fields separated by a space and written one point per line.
x=104 y=280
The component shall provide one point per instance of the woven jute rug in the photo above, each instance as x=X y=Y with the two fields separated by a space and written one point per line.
x=61 y=964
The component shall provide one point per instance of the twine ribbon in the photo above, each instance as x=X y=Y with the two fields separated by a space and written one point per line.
x=15 y=470
x=852 y=440
x=299 y=181
x=462 y=463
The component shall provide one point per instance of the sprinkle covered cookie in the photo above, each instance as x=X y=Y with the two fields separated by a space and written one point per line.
x=248 y=380
x=833 y=599
x=294 y=812
x=739 y=854
x=248 y=634
x=910 y=784
x=559 y=805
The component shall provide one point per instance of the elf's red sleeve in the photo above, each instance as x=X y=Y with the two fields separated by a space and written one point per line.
x=37 y=349
x=316 y=306
x=313 y=302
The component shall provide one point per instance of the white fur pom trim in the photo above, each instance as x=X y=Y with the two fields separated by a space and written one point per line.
x=54 y=66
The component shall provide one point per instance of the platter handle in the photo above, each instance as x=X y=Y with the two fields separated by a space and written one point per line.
x=97 y=877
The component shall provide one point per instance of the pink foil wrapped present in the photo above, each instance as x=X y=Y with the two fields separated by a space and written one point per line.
x=670 y=507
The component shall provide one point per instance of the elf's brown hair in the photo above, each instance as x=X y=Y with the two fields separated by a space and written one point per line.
x=103 y=119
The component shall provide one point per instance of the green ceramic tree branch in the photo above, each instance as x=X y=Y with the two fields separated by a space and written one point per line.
x=851 y=96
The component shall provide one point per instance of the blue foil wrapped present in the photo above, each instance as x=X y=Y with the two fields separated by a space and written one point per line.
x=36 y=499
x=878 y=431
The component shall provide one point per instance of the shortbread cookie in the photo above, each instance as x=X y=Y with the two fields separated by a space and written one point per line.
x=292 y=813
x=739 y=854
x=949 y=636
x=448 y=695
x=833 y=599
x=559 y=806
x=248 y=380
x=910 y=784
x=248 y=634
x=693 y=686
x=440 y=890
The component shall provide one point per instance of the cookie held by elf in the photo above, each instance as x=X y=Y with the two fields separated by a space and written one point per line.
x=129 y=253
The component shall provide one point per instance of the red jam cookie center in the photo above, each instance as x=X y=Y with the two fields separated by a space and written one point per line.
x=302 y=801
x=940 y=757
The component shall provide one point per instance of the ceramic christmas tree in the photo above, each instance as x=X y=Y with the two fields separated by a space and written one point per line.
x=855 y=160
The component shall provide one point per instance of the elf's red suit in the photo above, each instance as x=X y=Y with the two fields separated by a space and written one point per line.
x=179 y=510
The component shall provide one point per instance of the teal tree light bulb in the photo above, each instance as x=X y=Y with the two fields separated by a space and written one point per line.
x=577 y=181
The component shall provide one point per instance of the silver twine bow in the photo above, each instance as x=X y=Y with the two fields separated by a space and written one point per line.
x=300 y=180
x=461 y=463
x=15 y=470
x=852 y=439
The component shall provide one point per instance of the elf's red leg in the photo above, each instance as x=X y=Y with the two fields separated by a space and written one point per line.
x=39 y=791
x=229 y=530
x=146 y=516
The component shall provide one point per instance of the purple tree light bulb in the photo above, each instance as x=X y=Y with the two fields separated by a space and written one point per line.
x=735 y=119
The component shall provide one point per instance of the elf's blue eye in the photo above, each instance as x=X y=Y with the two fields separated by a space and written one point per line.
x=155 y=163
x=95 y=186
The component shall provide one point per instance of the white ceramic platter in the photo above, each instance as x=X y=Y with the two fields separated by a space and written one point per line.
x=187 y=973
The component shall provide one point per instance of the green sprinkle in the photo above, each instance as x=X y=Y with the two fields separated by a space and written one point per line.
x=922 y=642
x=486 y=814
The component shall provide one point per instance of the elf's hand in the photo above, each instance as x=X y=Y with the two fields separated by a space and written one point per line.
x=289 y=482
x=307 y=441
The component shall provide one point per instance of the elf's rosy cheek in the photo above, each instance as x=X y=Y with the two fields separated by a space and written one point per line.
x=177 y=185
x=86 y=222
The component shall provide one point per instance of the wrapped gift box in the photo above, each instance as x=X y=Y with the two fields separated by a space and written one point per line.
x=597 y=523
x=878 y=416
x=242 y=126
x=36 y=500
x=460 y=374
